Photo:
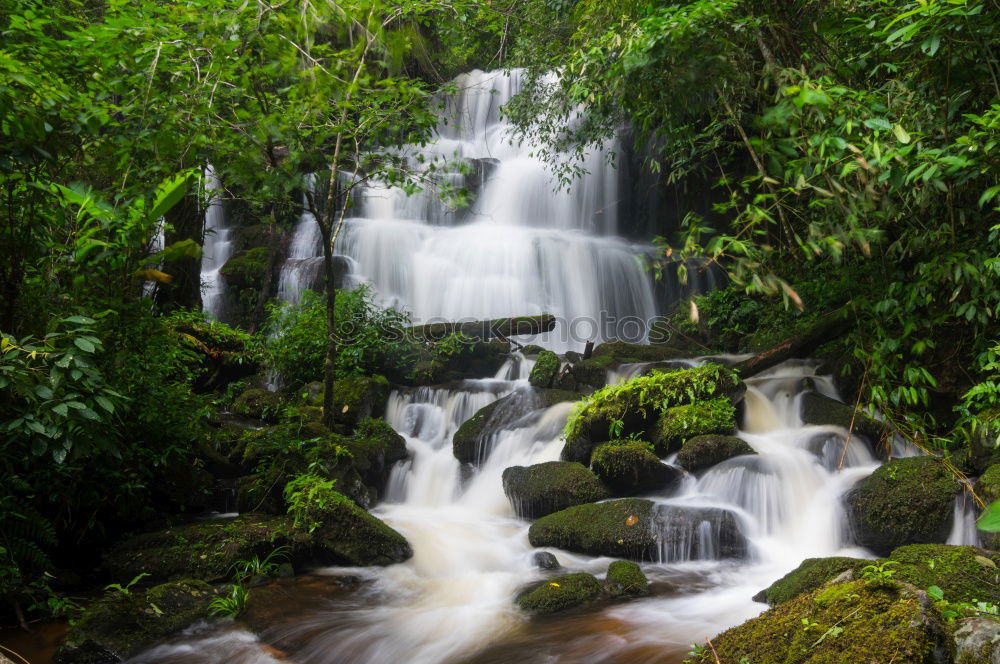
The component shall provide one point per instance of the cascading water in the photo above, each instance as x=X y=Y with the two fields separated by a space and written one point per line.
x=216 y=249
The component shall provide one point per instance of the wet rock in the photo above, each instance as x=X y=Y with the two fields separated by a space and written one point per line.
x=545 y=560
x=810 y=575
x=977 y=641
x=543 y=488
x=625 y=579
x=261 y=404
x=905 y=501
x=698 y=533
x=246 y=268
x=629 y=467
x=560 y=594
x=120 y=625
x=617 y=528
x=681 y=423
x=821 y=410
x=703 y=452
x=846 y=622
x=545 y=369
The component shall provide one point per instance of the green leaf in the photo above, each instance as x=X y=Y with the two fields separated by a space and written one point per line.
x=901 y=134
x=169 y=193
x=105 y=403
x=990 y=518
x=61 y=409
x=84 y=345
x=935 y=593
x=79 y=320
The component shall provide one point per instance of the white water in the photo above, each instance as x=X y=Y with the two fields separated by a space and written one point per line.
x=217 y=248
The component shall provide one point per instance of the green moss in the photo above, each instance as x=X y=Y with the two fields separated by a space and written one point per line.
x=545 y=369
x=247 y=268
x=905 y=501
x=849 y=622
x=544 y=488
x=681 y=423
x=120 y=625
x=988 y=488
x=703 y=452
x=560 y=593
x=630 y=467
x=617 y=528
x=262 y=404
x=625 y=578
x=810 y=575
x=623 y=352
x=357 y=397
x=964 y=573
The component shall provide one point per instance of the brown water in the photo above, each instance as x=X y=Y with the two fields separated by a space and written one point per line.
x=35 y=647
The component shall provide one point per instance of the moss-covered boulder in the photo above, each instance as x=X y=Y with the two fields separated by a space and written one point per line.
x=261 y=404
x=964 y=573
x=375 y=447
x=246 y=269
x=617 y=528
x=629 y=467
x=120 y=625
x=633 y=407
x=625 y=579
x=988 y=488
x=560 y=594
x=206 y=550
x=357 y=397
x=681 y=423
x=847 y=622
x=703 y=452
x=544 y=488
x=545 y=369
x=822 y=410
x=810 y=575
x=905 y=501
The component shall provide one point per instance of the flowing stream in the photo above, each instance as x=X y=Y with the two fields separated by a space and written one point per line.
x=522 y=249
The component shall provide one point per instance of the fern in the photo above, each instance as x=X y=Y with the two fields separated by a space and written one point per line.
x=25 y=533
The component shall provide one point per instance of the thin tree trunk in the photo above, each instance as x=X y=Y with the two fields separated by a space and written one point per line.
x=330 y=362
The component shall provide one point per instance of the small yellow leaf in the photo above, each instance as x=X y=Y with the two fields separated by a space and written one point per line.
x=553 y=584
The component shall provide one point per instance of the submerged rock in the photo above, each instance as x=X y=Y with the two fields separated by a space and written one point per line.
x=905 y=501
x=847 y=622
x=702 y=452
x=120 y=625
x=543 y=488
x=625 y=579
x=545 y=369
x=560 y=594
x=681 y=423
x=617 y=528
x=629 y=467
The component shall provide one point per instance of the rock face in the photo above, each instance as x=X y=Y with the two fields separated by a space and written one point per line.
x=698 y=533
x=681 y=423
x=630 y=467
x=810 y=575
x=847 y=622
x=818 y=409
x=617 y=528
x=559 y=594
x=207 y=550
x=702 y=452
x=544 y=488
x=545 y=369
x=262 y=404
x=118 y=626
x=905 y=501
x=357 y=397
x=625 y=579
x=977 y=641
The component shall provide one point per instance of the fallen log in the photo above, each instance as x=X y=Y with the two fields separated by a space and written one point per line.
x=487 y=329
x=827 y=328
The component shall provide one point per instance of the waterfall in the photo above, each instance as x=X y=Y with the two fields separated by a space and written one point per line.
x=217 y=248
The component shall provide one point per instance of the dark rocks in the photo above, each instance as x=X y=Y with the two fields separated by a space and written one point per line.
x=543 y=488
x=818 y=409
x=625 y=579
x=698 y=533
x=905 y=501
x=703 y=452
x=629 y=467
x=545 y=560
x=545 y=369
x=560 y=593
x=357 y=397
x=261 y=404
x=617 y=528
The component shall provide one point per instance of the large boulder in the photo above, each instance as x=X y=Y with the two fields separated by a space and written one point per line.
x=544 y=488
x=617 y=528
x=905 y=501
x=846 y=622
x=560 y=593
x=810 y=575
x=703 y=452
x=625 y=579
x=681 y=423
x=686 y=533
x=821 y=410
x=358 y=397
x=629 y=467
x=964 y=573
x=120 y=625
x=545 y=369
x=375 y=448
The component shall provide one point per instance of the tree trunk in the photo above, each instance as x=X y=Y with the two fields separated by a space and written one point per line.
x=802 y=345
x=330 y=362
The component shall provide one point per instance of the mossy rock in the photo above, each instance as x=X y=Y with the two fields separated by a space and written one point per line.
x=247 y=268
x=545 y=369
x=703 y=452
x=617 y=528
x=699 y=533
x=905 y=501
x=847 y=622
x=810 y=575
x=375 y=448
x=261 y=404
x=348 y=535
x=560 y=594
x=964 y=573
x=544 y=488
x=358 y=397
x=623 y=352
x=821 y=410
x=681 y=423
x=629 y=467
x=119 y=625
x=252 y=237
x=625 y=579
x=988 y=488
